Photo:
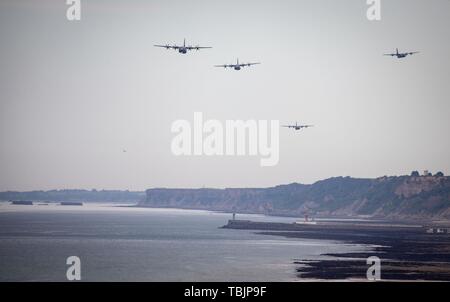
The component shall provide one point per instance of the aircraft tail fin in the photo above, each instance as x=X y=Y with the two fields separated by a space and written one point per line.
x=396 y=50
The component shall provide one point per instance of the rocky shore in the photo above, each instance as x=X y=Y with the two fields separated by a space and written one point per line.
x=407 y=252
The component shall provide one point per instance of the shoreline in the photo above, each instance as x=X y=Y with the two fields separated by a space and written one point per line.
x=406 y=254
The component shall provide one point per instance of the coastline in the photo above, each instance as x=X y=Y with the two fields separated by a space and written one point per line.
x=406 y=253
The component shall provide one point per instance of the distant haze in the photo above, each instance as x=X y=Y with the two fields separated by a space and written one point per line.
x=75 y=95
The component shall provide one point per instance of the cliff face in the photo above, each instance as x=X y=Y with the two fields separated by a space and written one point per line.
x=402 y=197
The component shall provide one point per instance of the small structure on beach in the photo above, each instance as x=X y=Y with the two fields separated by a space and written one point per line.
x=22 y=202
x=307 y=220
x=438 y=230
x=71 y=203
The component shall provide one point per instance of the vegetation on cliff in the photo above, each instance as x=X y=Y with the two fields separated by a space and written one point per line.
x=402 y=197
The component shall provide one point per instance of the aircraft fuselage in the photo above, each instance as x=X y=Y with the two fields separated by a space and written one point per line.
x=182 y=50
x=237 y=67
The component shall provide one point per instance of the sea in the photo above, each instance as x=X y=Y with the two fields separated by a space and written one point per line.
x=122 y=243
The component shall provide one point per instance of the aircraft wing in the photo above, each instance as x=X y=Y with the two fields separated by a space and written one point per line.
x=168 y=46
x=411 y=53
x=197 y=47
x=390 y=54
x=250 y=64
x=224 y=66
x=288 y=126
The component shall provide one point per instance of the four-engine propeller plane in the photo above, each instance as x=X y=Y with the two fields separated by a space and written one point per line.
x=182 y=49
x=297 y=126
x=400 y=55
x=236 y=66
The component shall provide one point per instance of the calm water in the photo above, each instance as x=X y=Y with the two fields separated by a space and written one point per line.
x=131 y=244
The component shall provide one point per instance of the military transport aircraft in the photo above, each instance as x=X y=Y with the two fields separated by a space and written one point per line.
x=297 y=127
x=182 y=49
x=401 y=54
x=236 y=66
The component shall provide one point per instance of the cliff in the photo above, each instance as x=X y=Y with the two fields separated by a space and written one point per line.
x=395 y=197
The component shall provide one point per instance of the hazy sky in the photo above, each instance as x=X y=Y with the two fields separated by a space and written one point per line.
x=74 y=95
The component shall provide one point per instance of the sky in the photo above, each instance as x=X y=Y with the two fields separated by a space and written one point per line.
x=75 y=94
